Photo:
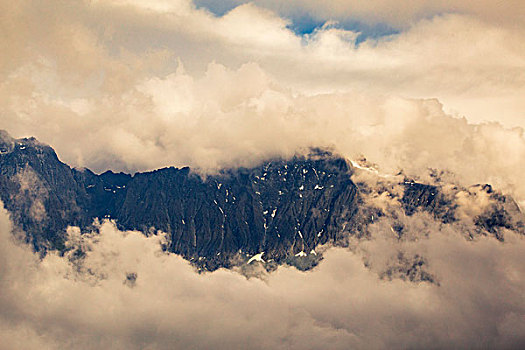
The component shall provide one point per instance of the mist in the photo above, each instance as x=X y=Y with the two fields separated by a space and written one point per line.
x=213 y=92
x=126 y=293
x=182 y=121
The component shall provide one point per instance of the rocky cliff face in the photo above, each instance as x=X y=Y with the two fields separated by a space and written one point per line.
x=281 y=208
x=284 y=208
x=42 y=194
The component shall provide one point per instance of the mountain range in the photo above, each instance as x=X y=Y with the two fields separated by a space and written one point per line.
x=279 y=211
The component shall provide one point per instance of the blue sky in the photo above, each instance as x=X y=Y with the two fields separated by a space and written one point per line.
x=303 y=23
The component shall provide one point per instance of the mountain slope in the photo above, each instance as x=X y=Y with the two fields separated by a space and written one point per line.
x=282 y=208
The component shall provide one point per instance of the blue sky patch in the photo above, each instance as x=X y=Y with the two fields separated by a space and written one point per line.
x=302 y=24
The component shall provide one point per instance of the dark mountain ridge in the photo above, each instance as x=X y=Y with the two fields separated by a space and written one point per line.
x=284 y=208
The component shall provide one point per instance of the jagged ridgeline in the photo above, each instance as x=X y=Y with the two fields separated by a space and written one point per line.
x=281 y=208
x=284 y=208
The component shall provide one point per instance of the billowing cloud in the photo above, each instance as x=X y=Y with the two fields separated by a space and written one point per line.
x=103 y=82
x=239 y=117
x=125 y=293
x=391 y=12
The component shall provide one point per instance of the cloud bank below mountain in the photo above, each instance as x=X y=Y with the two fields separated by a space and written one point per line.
x=128 y=294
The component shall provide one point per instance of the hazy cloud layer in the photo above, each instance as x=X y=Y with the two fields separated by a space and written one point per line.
x=103 y=82
x=238 y=117
x=128 y=294
x=392 y=12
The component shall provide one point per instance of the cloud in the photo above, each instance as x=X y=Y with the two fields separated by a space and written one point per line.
x=240 y=117
x=106 y=88
x=390 y=11
x=89 y=302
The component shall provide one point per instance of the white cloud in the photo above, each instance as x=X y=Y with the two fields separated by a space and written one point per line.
x=473 y=65
x=239 y=117
x=179 y=7
x=393 y=12
x=88 y=304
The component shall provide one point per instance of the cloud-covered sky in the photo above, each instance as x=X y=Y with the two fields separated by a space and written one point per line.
x=140 y=84
x=136 y=85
